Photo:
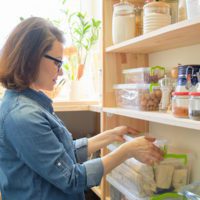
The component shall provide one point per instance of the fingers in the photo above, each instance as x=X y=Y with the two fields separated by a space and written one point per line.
x=132 y=131
x=120 y=139
x=155 y=155
x=150 y=139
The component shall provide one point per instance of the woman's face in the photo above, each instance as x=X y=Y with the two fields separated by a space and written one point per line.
x=49 y=68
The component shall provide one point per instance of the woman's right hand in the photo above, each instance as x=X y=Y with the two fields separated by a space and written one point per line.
x=143 y=149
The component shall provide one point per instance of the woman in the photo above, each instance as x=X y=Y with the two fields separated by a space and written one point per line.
x=38 y=157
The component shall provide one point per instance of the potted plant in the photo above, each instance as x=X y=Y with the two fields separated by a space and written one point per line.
x=84 y=34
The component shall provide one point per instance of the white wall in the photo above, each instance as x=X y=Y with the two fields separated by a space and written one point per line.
x=180 y=137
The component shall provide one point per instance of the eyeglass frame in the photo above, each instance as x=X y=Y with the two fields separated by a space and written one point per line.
x=59 y=62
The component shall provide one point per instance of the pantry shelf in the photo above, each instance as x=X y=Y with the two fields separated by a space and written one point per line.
x=163 y=118
x=176 y=35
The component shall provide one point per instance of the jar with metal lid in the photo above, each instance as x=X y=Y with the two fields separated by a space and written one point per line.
x=123 y=22
x=194 y=105
x=156 y=15
x=180 y=101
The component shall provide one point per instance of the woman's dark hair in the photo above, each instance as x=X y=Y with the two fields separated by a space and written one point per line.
x=23 y=50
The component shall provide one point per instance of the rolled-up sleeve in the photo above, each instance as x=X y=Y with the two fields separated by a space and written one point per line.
x=81 y=150
x=94 y=170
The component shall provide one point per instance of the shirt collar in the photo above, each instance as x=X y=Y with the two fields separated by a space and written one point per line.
x=39 y=97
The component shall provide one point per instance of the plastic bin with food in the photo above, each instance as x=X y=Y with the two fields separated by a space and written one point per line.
x=145 y=97
x=144 y=74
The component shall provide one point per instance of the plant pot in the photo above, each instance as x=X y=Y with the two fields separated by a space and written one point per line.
x=77 y=91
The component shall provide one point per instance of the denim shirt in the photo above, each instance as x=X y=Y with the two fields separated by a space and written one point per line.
x=38 y=158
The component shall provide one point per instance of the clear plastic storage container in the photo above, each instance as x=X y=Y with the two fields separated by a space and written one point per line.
x=144 y=97
x=144 y=75
x=180 y=102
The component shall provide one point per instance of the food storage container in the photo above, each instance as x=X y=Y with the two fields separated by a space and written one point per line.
x=123 y=22
x=194 y=105
x=193 y=8
x=138 y=96
x=156 y=15
x=180 y=102
x=173 y=10
x=144 y=75
x=139 y=20
x=182 y=11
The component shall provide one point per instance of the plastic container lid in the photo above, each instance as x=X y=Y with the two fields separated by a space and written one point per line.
x=131 y=86
x=136 y=70
x=149 y=87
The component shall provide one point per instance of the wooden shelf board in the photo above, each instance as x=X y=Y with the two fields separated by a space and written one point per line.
x=60 y=106
x=97 y=191
x=95 y=108
x=163 y=118
x=176 y=35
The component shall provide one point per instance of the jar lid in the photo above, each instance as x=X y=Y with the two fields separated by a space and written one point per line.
x=124 y=6
x=194 y=93
x=156 y=4
x=180 y=93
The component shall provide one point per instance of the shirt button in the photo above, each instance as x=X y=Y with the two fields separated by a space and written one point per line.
x=59 y=164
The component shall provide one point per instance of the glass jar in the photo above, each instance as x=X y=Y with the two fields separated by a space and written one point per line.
x=123 y=22
x=182 y=11
x=173 y=9
x=156 y=15
x=194 y=105
x=139 y=20
x=180 y=101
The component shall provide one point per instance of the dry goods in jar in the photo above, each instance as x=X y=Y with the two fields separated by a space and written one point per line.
x=123 y=22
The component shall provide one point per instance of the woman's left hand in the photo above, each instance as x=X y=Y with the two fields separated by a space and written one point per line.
x=113 y=135
x=117 y=133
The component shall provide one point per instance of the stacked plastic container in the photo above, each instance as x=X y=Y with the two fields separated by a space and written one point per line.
x=135 y=180
x=141 y=90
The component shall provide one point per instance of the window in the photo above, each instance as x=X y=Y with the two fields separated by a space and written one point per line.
x=51 y=9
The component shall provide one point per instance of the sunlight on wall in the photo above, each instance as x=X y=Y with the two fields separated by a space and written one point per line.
x=11 y=11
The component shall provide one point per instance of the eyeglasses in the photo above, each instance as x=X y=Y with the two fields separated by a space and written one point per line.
x=57 y=62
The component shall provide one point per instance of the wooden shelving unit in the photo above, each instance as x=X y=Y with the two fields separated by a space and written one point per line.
x=134 y=53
